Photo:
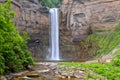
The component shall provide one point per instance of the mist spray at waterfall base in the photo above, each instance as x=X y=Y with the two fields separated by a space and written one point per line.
x=54 y=35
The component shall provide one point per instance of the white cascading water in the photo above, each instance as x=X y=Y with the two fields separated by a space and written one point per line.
x=54 y=35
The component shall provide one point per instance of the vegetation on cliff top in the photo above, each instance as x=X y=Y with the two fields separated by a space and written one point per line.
x=50 y=3
x=14 y=54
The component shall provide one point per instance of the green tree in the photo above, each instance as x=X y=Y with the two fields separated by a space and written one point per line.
x=50 y=3
x=14 y=54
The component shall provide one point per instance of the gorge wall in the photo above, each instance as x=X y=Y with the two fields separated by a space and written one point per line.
x=78 y=19
x=33 y=18
x=84 y=16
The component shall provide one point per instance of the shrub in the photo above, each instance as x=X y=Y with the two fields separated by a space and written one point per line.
x=117 y=54
x=14 y=54
x=50 y=3
x=116 y=62
x=102 y=44
x=2 y=65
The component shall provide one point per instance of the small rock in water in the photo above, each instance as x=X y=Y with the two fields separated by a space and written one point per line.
x=43 y=71
x=25 y=78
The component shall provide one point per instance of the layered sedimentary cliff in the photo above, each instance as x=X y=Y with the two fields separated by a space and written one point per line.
x=33 y=18
x=82 y=16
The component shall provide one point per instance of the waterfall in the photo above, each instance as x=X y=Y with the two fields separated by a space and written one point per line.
x=54 y=34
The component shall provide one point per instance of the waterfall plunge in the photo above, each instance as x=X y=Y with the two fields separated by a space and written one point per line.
x=54 y=35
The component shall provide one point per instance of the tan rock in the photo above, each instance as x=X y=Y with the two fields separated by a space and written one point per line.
x=79 y=74
x=99 y=15
x=3 y=78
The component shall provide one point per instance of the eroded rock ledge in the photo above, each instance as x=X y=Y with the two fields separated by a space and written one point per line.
x=97 y=15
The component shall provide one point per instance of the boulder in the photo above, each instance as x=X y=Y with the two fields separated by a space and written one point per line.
x=3 y=78
x=79 y=74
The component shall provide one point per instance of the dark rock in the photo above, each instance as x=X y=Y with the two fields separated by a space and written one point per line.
x=34 y=1
x=33 y=75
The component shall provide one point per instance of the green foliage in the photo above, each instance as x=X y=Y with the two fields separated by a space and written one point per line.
x=116 y=62
x=2 y=65
x=117 y=54
x=116 y=57
x=50 y=3
x=25 y=36
x=14 y=54
x=109 y=70
x=102 y=44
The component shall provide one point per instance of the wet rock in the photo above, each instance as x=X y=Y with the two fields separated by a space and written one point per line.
x=82 y=69
x=56 y=72
x=3 y=78
x=49 y=77
x=47 y=63
x=66 y=71
x=43 y=71
x=53 y=66
x=60 y=76
x=12 y=75
x=33 y=75
x=26 y=78
x=79 y=74
x=46 y=73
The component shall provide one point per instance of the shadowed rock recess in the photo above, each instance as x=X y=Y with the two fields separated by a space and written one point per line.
x=78 y=19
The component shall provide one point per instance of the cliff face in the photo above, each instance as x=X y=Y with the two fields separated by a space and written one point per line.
x=78 y=19
x=84 y=16
x=34 y=19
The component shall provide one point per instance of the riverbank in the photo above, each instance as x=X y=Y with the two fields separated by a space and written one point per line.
x=68 y=71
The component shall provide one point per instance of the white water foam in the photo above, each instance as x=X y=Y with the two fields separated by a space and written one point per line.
x=54 y=35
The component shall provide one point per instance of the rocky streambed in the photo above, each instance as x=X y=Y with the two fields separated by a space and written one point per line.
x=52 y=71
